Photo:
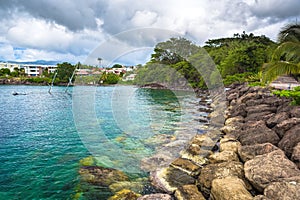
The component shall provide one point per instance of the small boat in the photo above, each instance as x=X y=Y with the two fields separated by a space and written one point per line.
x=18 y=93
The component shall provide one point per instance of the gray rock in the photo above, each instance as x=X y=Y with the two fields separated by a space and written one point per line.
x=285 y=125
x=258 y=133
x=259 y=116
x=248 y=152
x=276 y=119
x=290 y=140
x=265 y=169
x=238 y=110
x=261 y=108
x=295 y=112
x=296 y=155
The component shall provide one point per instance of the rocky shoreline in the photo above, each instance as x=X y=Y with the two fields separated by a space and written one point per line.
x=251 y=151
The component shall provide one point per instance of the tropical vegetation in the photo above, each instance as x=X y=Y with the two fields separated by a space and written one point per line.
x=286 y=57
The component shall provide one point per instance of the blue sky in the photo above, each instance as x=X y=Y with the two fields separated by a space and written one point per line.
x=71 y=30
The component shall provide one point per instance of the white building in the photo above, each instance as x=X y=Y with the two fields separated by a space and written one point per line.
x=10 y=66
x=37 y=70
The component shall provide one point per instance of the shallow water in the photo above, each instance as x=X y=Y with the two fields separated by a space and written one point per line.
x=43 y=136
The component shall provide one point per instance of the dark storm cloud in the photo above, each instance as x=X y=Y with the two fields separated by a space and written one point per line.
x=73 y=14
x=276 y=10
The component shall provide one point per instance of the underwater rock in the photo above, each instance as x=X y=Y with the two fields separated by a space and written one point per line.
x=125 y=195
x=101 y=176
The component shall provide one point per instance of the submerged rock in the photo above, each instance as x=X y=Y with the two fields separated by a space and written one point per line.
x=267 y=168
x=157 y=196
x=135 y=186
x=229 y=188
x=125 y=195
x=101 y=176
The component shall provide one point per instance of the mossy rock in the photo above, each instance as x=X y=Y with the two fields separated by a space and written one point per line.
x=125 y=195
x=88 y=161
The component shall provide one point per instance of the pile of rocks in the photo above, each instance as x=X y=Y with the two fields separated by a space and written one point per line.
x=257 y=156
x=251 y=151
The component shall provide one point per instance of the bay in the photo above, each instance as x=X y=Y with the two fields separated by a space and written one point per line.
x=44 y=136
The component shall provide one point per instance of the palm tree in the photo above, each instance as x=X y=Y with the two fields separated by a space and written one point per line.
x=286 y=58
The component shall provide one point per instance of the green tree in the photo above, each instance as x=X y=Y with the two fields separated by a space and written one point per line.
x=65 y=71
x=111 y=78
x=117 y=66
x=286 y=57
x=4 y=71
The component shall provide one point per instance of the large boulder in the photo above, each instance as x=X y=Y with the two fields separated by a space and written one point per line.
x=229 y=144
x=261 y=108
x=223 y=156
x=257 y=116
x=288 y=190
x=276 y=119
x=234 y=120
x=218 y=170
x=296 y=155
x=169 y=179
x=189 y=192
x=295 y=112
x=158 y=196
x=101 y=176
x=186 y=165
x=232 y=130
x=285 y=125
x=258 y=133
x=238 y=110
x=199 y=148
x=229 y=188
x=267 y=168
x=290 y=140
x=248 y=152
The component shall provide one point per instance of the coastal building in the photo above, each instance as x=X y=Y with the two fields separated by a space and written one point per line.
x=10 y=66
x=37 y=70
x=130 y=77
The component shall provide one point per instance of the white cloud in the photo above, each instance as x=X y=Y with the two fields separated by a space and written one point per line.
x=71 y=29
x=37 y=33
x=144 y=18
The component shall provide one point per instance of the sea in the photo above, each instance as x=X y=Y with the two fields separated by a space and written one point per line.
x=44 y=135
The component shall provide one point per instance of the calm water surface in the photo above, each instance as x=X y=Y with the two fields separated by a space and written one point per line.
x=40 y=146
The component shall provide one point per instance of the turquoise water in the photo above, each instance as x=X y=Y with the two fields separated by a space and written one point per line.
x=43 y=136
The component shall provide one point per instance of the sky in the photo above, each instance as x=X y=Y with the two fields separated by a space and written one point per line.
x=125 y=31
